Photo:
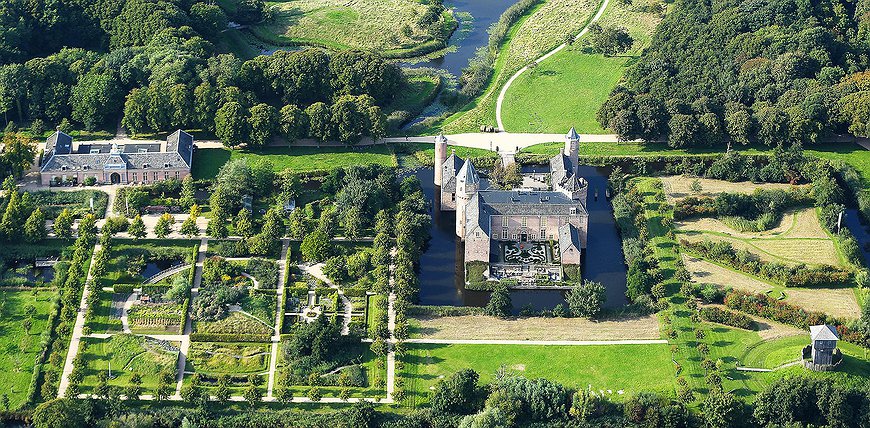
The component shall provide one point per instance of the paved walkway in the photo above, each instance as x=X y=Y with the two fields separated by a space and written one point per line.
x=77 y=329
x=316 y=271
x=188 y=324
x=125 y=320
x=279 y=319
x=500 y=100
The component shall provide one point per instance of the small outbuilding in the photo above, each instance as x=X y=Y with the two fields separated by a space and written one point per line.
x=822 y=353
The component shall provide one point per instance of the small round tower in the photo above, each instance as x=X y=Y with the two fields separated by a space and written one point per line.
x=572 y=146
x=440 y=157
x=467 y=185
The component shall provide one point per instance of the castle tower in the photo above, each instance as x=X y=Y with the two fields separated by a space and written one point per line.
x=467 y=185
x=572 y=147
x=440 y=157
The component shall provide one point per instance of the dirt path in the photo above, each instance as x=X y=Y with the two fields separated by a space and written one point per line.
x=279 y=316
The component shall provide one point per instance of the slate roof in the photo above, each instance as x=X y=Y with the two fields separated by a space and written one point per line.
x=449 y=168
x=486 y=203
x=569 y=236
x=468 y=174
x=823 y=332
x=572 y=134
x=178 y=154
x=59 y=143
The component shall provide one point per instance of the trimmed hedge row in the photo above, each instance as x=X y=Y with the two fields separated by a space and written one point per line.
x=767 y=307
x=443 y=311
x=790 y=276
x=724 y=316
x=123 y=288
x=229 y=337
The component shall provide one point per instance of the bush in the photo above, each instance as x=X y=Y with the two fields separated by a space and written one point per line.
x=225 y=337
x=731 y=318
x=123 y=288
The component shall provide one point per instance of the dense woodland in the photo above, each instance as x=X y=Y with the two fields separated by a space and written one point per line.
x=155 y=63
x=744 y=71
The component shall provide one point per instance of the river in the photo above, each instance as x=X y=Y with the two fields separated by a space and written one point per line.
x=442 y=264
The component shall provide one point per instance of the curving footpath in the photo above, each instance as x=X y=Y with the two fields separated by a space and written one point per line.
x=519 y=72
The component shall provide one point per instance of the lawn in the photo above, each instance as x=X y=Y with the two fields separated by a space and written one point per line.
x=417 y=154
x=207 y=162
x=565 y=90
x=614 y=369
x=126 y=354
x=541 y=30
x=388 y=26
x=19 y=348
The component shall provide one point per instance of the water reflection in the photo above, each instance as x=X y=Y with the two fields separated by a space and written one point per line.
x=441 y=281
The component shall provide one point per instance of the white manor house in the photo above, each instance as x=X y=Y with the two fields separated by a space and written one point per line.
x=526 y=235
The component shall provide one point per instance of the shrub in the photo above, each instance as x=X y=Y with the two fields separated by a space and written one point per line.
x=731 y=318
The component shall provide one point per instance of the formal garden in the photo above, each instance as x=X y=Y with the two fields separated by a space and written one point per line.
x=127 y=361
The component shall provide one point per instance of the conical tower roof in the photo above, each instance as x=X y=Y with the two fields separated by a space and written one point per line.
x=468 y=174
x=572 y=134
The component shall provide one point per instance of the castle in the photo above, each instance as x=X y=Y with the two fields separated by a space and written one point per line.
x=108 y=162
x=518 y=234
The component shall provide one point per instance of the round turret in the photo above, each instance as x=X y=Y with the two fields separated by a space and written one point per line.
x=440 y=157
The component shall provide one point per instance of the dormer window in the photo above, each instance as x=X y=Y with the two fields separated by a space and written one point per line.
x=63 y=168
x=145 y=165
x=166 y=165
x=94 y=151
x=143 y=150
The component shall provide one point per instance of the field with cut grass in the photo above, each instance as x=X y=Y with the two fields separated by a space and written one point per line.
x=617 y=370
x=126 y=354
x=388 y=26
x=568 y=88
x=679 y=186
x=543 y=29
x=839 y=302
x=207 y=162
x=18 y=346
x=484 y=327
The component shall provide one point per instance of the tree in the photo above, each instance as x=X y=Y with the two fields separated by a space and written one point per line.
x=253 y=395
x=320 y=124
x=263 y=123
x=316 y=246
x=586 y=299
x=95 y=99
x=17 y=155
x=10 y=225
x=500 y=304
x=244 y=227
x=208 y=19
x=189 y=227
x=611 y=40
x=134 y=390
x=231 y=124
x=59 y=413
x=458 y=394
x=63 y=224
x=188 y=191
x=293 y=123
x=164 y=225
x=137 y=228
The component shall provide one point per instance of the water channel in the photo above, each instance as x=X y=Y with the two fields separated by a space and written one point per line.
x=442 y=264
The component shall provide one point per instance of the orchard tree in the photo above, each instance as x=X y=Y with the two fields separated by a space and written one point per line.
x=63 y=224
x=189 y=227
x=137 y=228
x=164 y=225
x=244 y=227
x=10 y=225
x=231 y=124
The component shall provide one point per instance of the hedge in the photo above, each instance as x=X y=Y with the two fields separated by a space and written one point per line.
x=790 y=276
x=768 y=307
x=724 y=316
x=123 y=288
x=443 y=311
x=224 y=337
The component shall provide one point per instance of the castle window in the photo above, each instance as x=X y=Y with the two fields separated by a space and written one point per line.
x=135 y=176
x=524 y=221
x=154 y=176
x=543 y=234
x=504 y=233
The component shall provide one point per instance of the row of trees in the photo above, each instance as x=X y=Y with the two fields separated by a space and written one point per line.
x=782 y=71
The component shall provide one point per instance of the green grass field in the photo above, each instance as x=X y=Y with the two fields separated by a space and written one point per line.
x=127 y=354
x=626 y=368
x=18 y=348
x=207 y=162
x=564 y=91
x=233 y=358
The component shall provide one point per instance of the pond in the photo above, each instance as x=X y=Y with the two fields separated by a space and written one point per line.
x=154 y=267
x=442 y=263
x=24 y=269
x=471 y=33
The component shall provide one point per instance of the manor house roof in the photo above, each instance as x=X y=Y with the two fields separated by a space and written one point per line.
x=487 y=203
x=62 y=155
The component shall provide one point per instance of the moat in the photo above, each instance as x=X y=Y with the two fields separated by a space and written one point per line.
x=441 y=265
